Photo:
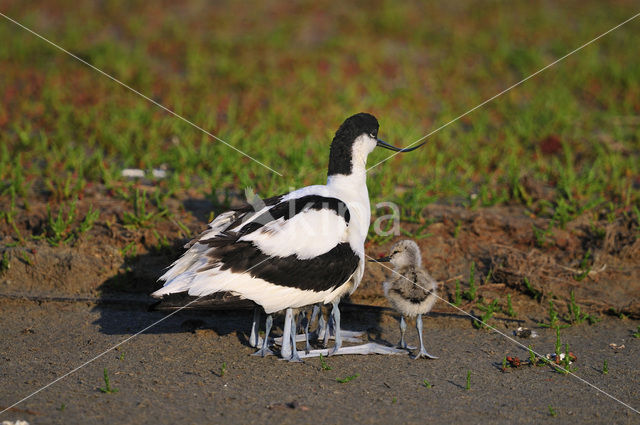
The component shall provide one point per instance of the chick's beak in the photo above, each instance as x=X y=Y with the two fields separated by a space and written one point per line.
x=385 y=145
x=381 y=260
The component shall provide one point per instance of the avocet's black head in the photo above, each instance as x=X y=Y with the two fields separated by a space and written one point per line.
x=354 y=140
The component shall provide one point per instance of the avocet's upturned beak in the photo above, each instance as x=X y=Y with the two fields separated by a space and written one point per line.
x=381 y=260
x=386 y=145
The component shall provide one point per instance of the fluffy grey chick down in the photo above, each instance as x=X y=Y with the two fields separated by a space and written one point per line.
x=410 y=289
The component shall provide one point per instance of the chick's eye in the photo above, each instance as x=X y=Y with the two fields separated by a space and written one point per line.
x=373 y=135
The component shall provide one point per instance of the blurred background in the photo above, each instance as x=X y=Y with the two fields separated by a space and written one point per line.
x=276 y=79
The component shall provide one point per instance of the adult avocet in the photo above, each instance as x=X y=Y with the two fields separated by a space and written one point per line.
x=301 y=248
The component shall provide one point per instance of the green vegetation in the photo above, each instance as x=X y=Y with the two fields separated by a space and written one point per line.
x=533 y=359
x=472 y=293
x=426 y=383
x=552 y=411
x=107 y=385
x=163 y=244
x=541 y=236
x=347 y=379
x=457 y=300
x=509 y=311
x=129 y=250
x=488 y=312
x=26 y=259
x=576 y=315
x=140 y=217
x=9 y=215
x=323 y=363
x=563 y=360
x=618 y=313
x=558 y=346
x=636 y=334
x=59 y=227
x=561 y=144
x=584 y=266
x=560 y=361
x=605 y=367
x=4 y=264
x=456 y=231
x=554 y=318
x=487 y=278
x=418 y=233
x=468 y=385
x=531 y=291
x=223 y=369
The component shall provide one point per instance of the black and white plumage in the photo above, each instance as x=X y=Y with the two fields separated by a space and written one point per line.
x=297 y=249
x=410 y=289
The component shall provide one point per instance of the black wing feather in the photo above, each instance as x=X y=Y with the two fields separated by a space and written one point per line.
x=329 y=270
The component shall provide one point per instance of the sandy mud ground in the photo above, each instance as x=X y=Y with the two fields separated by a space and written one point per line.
x=62 y=306
x=174 y=372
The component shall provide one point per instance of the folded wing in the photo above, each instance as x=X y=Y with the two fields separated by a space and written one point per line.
x=292 y=252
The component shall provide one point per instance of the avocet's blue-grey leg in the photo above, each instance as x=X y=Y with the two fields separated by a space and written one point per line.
x=314 y=314
x=265 y=351
x=369 y=348
x=322 y=327
x=285 y=349
x=335 y=316
x=294 y=350
x=403 y=329
x=328 y=323
x=255 y=337
x=422 y=352
x=298 y=324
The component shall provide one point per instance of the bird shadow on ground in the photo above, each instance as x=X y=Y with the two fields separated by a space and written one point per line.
x=129 y=319
x=367 y=319
x=126 y=307
x=125 y=319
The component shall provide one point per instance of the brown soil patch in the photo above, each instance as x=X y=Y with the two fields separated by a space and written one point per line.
x=502 y=243
x=112 y=258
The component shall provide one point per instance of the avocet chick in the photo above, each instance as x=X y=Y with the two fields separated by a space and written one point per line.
x=410 y=289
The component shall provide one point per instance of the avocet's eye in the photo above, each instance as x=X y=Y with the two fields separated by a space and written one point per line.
x=373 y=135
